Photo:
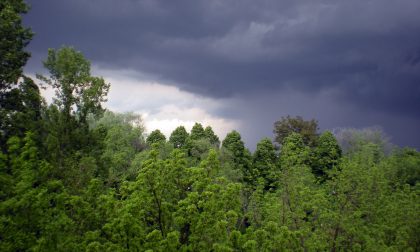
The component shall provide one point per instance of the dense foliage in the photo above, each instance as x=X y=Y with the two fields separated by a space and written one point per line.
x=74 y=177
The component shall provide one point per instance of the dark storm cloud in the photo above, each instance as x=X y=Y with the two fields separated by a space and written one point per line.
x=366 y=51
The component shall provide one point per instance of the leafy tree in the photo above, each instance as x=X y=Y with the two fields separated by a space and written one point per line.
x=198 y=149
x=179 y=137
x=122 y=140
x=20 y=110
x=240 y=156
x=402 y=167
x=14 y=38
x=326 y=155
x=265 y=164
x=197 y=132
x=213 y=139
x=286 y=125
x=19 y=99
x=301 y=200
x=155 y=137
x=78 y=93
x=352 y=140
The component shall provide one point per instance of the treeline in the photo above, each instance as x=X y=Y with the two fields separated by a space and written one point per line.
x=75 y=177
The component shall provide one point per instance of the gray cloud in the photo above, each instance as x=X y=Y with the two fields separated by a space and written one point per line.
x=366 y=52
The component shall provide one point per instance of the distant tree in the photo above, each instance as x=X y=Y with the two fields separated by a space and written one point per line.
x=326 y=155
x=240 y=156
x=352 y=140
x=155 y=137
x=288 y=124
x=197 y=132
x=179 y=137
x=213 y=138
x=264 y=164
x=234 y=144
x=122 y=141
x=402 y=167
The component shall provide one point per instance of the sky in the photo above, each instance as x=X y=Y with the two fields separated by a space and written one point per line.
x=244 y=64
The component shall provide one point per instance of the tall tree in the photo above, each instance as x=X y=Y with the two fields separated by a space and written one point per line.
x=78 y=93
x=14 y=38
x=240 y=156
x=265 y=164
x=179 y=137
x=286 y=125
x=14 y=103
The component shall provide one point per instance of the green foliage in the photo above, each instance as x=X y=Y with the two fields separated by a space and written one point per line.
x=326 y=155
x=179 y=137
x=197 y=132
x=264 y=164
x=352 y=140
x=77 y=92
x=213 y=139
x=14 y=38
x=286 y=125
x=240 y=156
x=92 y=185
x=155 y=137
x=122 y=140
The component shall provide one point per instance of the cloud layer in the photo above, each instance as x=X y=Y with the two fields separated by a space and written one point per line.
x=362 y=56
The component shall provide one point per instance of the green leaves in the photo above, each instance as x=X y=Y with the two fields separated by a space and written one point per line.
x=77 y=92
x=14 y=38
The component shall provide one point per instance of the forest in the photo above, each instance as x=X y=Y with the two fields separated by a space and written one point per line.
x=77 y=177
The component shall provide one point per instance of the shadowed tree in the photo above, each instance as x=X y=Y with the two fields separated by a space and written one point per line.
x=16 y=113
x=326 y=155
x=14 y=38
x=241 y=157
x=209 y=134
x=288 y=124
x=264 y=164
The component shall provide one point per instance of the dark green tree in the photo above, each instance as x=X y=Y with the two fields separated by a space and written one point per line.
x=14 y=39
x=240 y=156
x=179 y=137
x=16 y=95
x=288 y=124
x=326 y=155
x=155 y=137
x=264 y=164
x=213 y=138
